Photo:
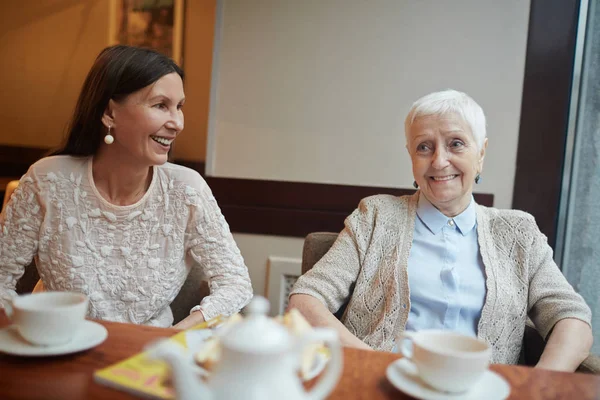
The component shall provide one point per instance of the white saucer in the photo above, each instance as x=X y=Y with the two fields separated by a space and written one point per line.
x=402 y=374
x=90 y=334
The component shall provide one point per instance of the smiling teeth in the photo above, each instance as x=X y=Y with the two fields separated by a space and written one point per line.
x=444 y=178
x=161 y=140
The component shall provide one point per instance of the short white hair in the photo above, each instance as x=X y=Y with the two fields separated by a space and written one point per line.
x=449 y=102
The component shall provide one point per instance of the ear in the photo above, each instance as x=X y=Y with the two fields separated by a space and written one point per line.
x=482 y=154
x=108 y=119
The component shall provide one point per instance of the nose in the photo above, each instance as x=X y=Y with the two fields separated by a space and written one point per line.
x=440 y=158
x=176 y=121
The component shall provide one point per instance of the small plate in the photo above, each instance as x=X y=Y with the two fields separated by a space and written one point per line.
x=403 y=375
x=90 y=334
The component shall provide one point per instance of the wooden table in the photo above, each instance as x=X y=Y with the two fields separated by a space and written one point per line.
x=70 y=376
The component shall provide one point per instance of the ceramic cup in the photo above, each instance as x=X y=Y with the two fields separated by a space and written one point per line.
x=48 y=318
x=447 y=361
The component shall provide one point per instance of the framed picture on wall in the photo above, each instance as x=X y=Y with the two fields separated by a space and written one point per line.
x=157 y=24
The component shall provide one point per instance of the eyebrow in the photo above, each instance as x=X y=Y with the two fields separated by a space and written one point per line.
x=454 y=130
x=164 y=97
x=425 y=136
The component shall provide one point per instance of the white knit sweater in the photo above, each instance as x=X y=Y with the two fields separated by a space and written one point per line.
x=373 y=249
x=130 y=260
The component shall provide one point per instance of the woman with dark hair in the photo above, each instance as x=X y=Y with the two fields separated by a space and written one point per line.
x=108 y=216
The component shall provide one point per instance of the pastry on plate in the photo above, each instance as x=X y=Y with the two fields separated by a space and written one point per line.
x=299 y=326
x=210 y=353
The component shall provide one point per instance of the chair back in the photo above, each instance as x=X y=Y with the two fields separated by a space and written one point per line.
x=316 y=245
x=194 y=289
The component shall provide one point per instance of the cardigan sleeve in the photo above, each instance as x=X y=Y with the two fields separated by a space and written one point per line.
x=331 y=278
x=20 y=223
x=211 y=245
x=551 y=297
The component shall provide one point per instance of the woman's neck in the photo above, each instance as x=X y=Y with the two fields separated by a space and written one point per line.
x=120 y=182
x=453 y=208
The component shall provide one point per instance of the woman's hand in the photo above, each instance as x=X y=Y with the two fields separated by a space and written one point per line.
x=191 y=320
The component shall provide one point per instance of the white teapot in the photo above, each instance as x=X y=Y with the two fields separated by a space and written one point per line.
x=260 y=360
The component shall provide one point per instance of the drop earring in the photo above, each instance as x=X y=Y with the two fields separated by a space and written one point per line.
x=477 y=179
x=415 y=185
x=108 y=139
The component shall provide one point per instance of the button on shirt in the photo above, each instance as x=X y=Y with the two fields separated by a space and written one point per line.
x=445 y=271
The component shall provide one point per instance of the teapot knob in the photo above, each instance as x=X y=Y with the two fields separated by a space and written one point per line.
x=257 y=333
x=257 y=306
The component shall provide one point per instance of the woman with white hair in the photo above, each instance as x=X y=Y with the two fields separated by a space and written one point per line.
x=439 y=260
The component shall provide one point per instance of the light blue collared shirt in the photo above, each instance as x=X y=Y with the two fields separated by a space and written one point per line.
x=445 y=271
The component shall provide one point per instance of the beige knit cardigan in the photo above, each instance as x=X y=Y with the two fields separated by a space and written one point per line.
x=373 y=249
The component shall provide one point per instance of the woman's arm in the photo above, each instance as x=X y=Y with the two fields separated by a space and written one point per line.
x=560 y=314
x=20 y=223
x=569 y=344
x=328 y=284
x=318 y=315
x=210 y=244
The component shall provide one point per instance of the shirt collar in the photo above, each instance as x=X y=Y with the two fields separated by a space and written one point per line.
x=435 y=220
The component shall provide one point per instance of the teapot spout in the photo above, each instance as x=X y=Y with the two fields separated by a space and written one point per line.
x=187 y=384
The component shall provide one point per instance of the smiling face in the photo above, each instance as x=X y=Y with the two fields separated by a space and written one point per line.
x=445 y=160
x=145 y=123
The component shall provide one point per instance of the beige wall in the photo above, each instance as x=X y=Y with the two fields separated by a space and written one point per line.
x=47 y=48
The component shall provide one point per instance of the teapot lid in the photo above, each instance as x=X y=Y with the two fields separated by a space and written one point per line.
x=257 y=332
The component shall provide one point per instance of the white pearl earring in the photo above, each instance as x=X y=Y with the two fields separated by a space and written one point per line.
x=108 y=139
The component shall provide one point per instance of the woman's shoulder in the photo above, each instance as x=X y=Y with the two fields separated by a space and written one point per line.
x=182 y=177
x=382 y=207
x=507 y=214
x=520 y=222
x=385 y=201
x=56 y=165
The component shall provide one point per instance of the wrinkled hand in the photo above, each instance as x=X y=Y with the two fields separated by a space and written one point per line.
x=193 y=319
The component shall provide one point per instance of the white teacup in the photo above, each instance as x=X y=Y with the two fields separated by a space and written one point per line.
x=48 y=318
x=447 y=361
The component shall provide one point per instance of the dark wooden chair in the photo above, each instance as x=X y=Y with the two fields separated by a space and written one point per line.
x=318 y=243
